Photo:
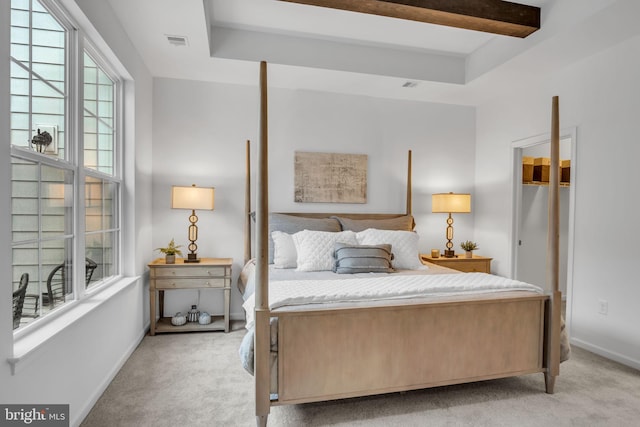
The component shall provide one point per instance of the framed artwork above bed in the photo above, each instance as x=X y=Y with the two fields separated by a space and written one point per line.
x=330 y=178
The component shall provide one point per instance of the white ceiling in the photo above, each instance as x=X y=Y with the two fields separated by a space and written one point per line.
x=315 y=48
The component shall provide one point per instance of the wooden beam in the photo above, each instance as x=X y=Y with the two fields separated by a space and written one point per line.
x=491 y=16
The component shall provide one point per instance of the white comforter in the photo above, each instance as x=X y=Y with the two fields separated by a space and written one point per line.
x=393 y=286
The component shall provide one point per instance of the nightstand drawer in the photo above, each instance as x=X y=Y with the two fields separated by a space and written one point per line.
x=471 y=267
x=200 y=271
x=192 y=283
x=477 y=264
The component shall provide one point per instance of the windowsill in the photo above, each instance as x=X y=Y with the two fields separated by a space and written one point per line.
x=25 y=345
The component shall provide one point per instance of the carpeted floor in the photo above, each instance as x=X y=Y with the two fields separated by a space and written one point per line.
x=196 y=380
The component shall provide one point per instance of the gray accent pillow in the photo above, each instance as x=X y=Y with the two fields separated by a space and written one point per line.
x=291 y=224
x=404 y=222
x=351 y=259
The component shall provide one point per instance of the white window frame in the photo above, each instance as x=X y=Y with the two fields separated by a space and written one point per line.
x=118 y=159
x=77 y=42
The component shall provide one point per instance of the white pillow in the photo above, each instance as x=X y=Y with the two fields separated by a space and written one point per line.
x=284 y=250
x=404 y=245
x=315 y=248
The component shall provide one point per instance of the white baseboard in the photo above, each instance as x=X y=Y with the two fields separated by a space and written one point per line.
x=606 y=353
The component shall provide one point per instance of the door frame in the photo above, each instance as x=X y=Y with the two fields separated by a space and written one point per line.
x=516 y=155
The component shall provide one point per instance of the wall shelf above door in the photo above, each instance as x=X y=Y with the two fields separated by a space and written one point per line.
x=535 y=171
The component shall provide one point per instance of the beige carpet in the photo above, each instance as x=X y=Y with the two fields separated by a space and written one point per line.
x=196 y=380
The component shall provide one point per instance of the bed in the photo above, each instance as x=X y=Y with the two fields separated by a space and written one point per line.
x=443 y=328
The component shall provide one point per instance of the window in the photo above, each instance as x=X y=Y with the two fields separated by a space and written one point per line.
x=101 y=186
x=65 y=175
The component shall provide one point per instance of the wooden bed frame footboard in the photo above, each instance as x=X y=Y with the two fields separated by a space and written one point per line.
x=337 y=353
x=334 y=354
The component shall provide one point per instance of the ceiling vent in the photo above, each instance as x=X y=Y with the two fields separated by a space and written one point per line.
x=177 y=40
x=410 y=84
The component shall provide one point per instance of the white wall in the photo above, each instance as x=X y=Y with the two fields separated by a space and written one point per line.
x=77 y=364
x=599 y=96
x=200 y=131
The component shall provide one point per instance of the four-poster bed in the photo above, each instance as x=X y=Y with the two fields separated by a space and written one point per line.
x=306 y=353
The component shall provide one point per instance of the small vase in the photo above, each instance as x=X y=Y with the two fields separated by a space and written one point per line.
x=170 y=259
x=468 y=254
x=193 y=314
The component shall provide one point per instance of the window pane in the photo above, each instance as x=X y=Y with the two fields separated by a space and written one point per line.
x=101 y=211
x=93 y=204
x=25 y=262
x=37 y=36
x=24 y=200
x=100 y=250
x=99 y=113
x=100 y=204
x=57 y=273
x=56 y=202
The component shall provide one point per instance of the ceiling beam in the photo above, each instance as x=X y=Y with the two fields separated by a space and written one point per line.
x=492 y=16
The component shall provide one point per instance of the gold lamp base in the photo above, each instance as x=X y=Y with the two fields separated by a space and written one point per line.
x=192 y=258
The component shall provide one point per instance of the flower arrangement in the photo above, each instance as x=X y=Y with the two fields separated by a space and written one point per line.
x=469 y=246
x=171 y=249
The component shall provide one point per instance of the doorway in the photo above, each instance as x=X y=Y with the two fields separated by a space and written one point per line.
x=530 y=215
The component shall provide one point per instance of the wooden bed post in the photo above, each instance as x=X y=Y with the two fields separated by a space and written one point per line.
x=553 y=249
x=409 y=206
x=247 y=205
x=262 y=367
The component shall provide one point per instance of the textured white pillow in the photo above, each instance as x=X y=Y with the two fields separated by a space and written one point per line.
x=315 y=248
x=404 y=245
x=284 y=250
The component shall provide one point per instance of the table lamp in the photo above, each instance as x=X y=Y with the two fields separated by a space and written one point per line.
x=450 y=203
x=192 y=198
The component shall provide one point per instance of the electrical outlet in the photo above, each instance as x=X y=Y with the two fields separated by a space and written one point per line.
x=604 y=307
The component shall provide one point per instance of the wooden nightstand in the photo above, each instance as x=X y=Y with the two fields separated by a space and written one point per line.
x=209 y=273
x=478 y=264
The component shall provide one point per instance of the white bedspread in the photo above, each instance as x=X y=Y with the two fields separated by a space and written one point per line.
x=393 y=286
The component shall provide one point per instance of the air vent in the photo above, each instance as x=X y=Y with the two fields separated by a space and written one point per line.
x=177 y=40
x=410 y=84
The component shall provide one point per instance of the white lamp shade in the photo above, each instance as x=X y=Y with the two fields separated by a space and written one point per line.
x=451 y=203
x=192 y=198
